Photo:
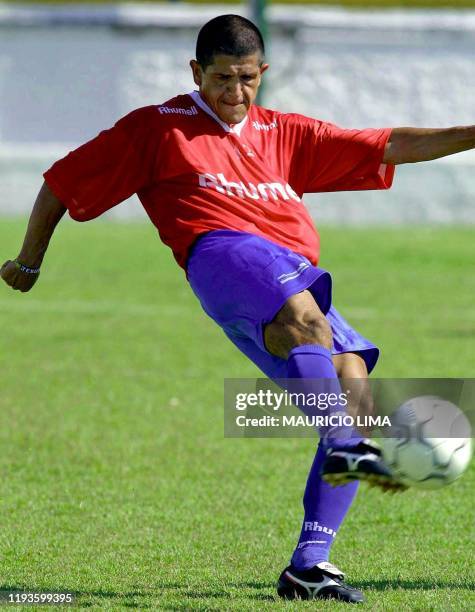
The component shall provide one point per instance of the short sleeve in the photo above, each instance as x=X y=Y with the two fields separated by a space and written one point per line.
x=329 y=158
x=109 y=168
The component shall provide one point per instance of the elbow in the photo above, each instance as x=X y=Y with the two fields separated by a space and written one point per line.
x=396 y=154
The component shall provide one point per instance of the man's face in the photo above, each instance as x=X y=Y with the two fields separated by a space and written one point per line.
x=229 y=85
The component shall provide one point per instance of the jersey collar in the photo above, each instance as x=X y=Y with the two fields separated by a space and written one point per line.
x=235 y=129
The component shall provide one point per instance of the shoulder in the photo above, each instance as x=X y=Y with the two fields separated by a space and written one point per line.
x=179 y=106
x=160 y=115
x=266 y=119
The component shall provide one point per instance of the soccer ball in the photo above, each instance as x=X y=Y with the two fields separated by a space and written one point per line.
x=429 y=442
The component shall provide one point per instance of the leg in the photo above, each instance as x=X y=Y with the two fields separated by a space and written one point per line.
x=299 y=322
x=350 y=365
x=351 y=368
x=325 y=506
x=301 y=333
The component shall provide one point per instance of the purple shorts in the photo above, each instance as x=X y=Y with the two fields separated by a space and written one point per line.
x=243 y=280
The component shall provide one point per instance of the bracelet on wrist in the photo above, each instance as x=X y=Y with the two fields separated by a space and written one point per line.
x=26 y=269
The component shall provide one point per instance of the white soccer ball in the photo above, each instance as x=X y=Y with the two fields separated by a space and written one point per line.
x=429 y=443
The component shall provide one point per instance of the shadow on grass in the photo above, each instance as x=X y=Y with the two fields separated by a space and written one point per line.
x=79 y=597
x=160 y=589
x=412 y=585
x=125 y=600
x=197 y=593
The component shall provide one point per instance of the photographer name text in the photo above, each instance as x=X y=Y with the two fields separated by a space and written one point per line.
x=334 y=404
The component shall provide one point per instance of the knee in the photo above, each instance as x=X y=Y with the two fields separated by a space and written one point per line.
x=313 y=328
x=299 y=322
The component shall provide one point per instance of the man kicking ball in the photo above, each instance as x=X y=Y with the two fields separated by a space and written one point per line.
x=223 y=179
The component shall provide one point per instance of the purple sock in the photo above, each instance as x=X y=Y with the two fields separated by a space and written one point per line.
x=325 y=506
x=314 y=364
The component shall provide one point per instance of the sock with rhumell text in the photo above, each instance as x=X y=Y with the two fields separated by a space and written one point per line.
x=325 y=507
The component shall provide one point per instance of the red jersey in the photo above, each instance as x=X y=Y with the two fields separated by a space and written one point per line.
x=193 y=173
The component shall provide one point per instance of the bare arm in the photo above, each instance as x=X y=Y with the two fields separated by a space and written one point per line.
x=45 y=215
x=410 y=145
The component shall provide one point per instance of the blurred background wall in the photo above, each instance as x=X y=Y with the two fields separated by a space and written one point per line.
x=66 y=72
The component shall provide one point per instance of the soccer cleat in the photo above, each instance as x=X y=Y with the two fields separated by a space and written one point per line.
x=323 y=581
x=361 y=462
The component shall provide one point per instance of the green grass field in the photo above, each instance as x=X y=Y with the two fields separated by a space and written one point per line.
x=118 y=484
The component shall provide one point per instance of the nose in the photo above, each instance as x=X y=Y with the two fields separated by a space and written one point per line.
x=234 y=90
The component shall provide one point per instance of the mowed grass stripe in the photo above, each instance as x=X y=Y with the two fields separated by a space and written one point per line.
x=118 y=483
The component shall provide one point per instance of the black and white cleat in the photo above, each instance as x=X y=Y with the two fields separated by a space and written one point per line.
x=323 y=581
x=365 y=462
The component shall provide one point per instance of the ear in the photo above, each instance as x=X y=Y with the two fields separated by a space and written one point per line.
x=263 y=68
x=197 y=72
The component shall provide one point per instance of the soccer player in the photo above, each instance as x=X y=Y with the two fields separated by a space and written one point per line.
x=222 y=179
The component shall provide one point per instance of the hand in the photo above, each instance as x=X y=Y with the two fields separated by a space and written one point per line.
x=18 y=280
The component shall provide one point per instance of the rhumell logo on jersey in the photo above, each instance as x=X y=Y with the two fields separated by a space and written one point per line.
x=264 y=126
x=263 y=191
x=165 y=110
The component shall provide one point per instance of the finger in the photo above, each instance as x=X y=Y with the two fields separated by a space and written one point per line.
x=26 y=283
x=25 y=288
x=4 y=266
x=9 y=273
x=17 y=279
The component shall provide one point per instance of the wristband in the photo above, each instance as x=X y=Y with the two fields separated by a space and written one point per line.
x=26 y=269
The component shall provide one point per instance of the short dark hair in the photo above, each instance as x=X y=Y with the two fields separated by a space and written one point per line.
x=228 y=35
